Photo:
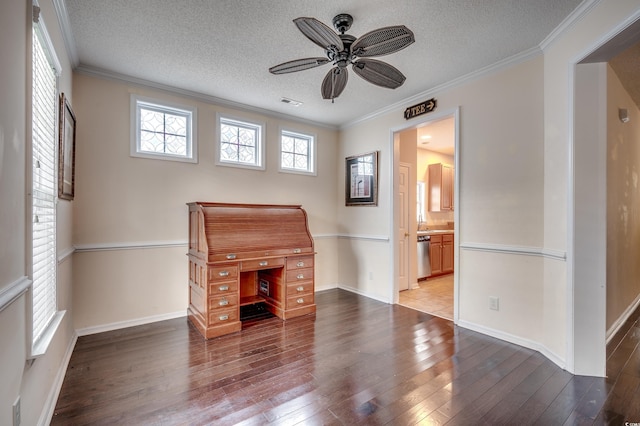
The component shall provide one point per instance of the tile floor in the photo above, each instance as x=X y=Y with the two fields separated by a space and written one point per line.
x=435 y=297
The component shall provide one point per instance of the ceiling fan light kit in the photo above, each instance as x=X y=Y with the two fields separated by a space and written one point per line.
x=343 y=50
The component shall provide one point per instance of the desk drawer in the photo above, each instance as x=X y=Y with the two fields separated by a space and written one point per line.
x=299 y=301
x=223 y=287
x=255 y=265
x=297 y=275
x=299 y=262
x=223 y=301
x=223 y=316
x=300 y=289
x=223 y=272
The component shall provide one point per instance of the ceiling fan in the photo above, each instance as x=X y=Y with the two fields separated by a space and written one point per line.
x=343 y=50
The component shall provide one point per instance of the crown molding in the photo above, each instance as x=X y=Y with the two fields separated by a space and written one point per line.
x=67 y=34
x=122 y=78
x=580 y=12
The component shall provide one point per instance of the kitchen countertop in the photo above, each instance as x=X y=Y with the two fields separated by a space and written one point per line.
x=436 y=232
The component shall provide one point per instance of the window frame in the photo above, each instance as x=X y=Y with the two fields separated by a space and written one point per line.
x=312 y=162
x=40 y=339
x=165 y=107
x=260 y=144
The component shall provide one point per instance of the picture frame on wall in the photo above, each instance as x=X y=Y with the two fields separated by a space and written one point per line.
x=66 y=150
x=361 y=180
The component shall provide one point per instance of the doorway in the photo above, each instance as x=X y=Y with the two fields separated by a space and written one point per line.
x=428 y=145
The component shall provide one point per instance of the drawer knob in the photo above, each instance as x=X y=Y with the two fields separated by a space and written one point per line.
x=300 y=276
x=264 y=263
x=300 y=288
x=223 y=288
x=224 y=317
x=231 y=256
x=297 y=250
x=224 y=273
x=300 y=264
x=223 y=302
x=300 y=300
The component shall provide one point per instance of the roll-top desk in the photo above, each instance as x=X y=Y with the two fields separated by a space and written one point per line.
x=243 y=254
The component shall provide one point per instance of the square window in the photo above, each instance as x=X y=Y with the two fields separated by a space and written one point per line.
x=240 y=143
x=162 y=131
x=297 y=152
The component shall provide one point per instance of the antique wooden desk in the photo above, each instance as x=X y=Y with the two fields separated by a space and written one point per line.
x=243 y=254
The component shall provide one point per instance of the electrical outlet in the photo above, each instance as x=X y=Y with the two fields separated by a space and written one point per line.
x=370 y=276
x=494 y=303
x=16 y=412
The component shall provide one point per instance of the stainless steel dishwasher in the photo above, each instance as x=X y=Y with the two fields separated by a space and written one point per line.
x=424 y=263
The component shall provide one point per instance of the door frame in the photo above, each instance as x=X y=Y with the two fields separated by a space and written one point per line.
x=394 y=146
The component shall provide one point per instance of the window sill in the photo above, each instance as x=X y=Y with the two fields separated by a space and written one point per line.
x=40 y=347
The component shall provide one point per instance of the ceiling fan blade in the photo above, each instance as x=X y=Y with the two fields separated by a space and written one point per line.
x=319 y=33
x=334 y=83
x=379 y=73
x=297 y=65
x=382 y=41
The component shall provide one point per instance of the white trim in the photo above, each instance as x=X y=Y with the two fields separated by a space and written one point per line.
x=212 y=100
x=130 y=245
x=40 y=346
x=50 y=404
x=261 y=143
x=582 y=10
x=615 y=327
x=67 y=34
x=361 y=293
x=129 y=323
x=189 y=112
x=312 y=138
x=65 y=254
x=475 y=75
x=13 y=291
x=380 y=238
x=507 y=337
x=522 y=250
x=50 y=51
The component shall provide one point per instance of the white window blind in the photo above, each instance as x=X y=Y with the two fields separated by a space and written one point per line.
x=43 y=187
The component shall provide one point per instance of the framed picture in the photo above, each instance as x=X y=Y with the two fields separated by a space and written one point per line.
x=361 y=180
x=66 y=150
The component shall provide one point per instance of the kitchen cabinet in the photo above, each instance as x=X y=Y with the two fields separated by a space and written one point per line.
x=441 y=254
x=440 y=189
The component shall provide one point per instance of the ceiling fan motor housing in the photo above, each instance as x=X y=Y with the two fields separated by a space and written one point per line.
x=342 y=22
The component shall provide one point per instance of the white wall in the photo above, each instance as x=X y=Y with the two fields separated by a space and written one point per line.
x=623 y=204
x=122 y=200
x=566 y=221
x=36 y=384
x=501 y=166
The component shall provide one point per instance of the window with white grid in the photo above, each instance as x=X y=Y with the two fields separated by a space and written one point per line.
x=297 y=152
x=44 y=190
x=163 y=131
x=240 y=143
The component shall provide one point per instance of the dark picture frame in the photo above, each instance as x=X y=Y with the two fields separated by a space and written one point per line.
x=361 y=180
x=66 y=150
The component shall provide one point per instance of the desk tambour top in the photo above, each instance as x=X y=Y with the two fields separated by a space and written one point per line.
x=222 y=232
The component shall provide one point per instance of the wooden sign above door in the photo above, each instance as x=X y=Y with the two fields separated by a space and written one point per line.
x=421 y=108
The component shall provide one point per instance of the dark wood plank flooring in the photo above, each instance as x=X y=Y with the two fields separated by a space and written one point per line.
x=358 y=361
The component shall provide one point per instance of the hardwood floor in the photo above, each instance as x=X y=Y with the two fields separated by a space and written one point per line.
x=358 y=361
x=434 y=296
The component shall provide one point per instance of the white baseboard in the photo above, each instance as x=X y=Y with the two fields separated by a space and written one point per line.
x=507 y=337
x=615 y=327
x=52 y=398
x=326 y=287
x=361 y=293
x=129 y=323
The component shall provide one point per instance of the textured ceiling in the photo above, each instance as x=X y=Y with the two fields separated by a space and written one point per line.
x=224 y=48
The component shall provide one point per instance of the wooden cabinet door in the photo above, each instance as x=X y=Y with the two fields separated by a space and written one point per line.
x=447 y=188
x=435 y=254
x=447 y=253
x=440 y=187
